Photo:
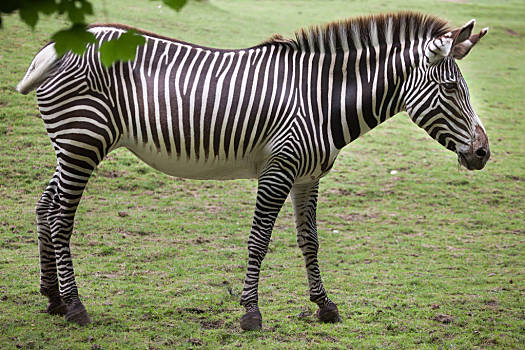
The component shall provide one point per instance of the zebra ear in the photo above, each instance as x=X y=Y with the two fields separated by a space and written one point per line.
x=444 y=45
x=463 y=33
x=461 y=49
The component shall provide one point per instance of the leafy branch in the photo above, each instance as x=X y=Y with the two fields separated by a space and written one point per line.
x=76 y=37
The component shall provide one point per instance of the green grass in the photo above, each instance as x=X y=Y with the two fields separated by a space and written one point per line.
x=396 y=252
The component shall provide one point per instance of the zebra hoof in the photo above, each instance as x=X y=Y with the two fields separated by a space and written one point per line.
x=56 y=307
x=251 y=321
x=77 y=314
x=328 y=313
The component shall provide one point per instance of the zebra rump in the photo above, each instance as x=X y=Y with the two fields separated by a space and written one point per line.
x=39 y=69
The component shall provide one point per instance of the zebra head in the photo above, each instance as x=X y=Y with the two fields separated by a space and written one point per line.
x=437 y=98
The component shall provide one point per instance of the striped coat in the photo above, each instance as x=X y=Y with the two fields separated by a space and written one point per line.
x=279 y=112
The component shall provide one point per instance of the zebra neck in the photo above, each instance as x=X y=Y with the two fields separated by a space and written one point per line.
x=351 y=92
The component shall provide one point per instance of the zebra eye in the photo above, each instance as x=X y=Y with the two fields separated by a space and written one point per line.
x=449 y=86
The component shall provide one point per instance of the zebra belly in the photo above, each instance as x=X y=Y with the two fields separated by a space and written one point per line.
x=202 y=169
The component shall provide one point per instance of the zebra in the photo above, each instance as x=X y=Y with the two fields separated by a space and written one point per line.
x=279 y=112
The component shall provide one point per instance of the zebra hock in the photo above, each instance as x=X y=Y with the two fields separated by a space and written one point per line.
x=279 y=112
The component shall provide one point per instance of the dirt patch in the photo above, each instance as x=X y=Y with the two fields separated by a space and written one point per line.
x=512 y=32
x=443 y=318
x=195 y=342
x=491 y=302
x=353 y=217
x=191 y=310
x=515 y=178
x=306 y=312
x=201 y=240
x=213 y=209
x=210 y=324
x=110 y=173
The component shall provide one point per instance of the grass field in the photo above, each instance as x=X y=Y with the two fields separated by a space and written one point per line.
x=431 y=257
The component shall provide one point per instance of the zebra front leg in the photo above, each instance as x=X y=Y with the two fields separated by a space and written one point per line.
x=273 y=188
x=304 y=198
x=48 y=269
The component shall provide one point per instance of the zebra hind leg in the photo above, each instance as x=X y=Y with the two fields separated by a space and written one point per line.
x=304 y=198
x=71 y=181
x=77 y=157
x=273 y=188
x=48 y=269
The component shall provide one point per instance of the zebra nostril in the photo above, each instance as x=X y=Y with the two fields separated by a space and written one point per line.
x=481 y=152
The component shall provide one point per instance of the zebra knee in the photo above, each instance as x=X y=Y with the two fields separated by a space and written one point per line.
x=42 y=209
x=307 y=245
x=43 y=205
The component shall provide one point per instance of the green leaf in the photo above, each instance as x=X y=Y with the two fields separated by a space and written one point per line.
x=29 y=9
x=177 y=5
x=8 y=6
x=74 y=39
x=122 y=49
x=47 y=7
x=29 y=15
x=76 y=9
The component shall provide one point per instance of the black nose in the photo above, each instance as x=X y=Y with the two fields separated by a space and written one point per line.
x=481 y=152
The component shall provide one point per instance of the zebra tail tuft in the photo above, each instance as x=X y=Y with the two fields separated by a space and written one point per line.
x=39 y=70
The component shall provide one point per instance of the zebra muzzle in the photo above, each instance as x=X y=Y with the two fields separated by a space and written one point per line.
x=476 y=156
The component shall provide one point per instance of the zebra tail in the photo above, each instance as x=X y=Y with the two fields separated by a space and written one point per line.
x=40 y=68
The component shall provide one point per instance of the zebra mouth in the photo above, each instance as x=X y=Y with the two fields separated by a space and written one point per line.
x=471 y=162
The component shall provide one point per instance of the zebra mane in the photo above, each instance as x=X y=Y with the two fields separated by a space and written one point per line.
x=358 y=32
